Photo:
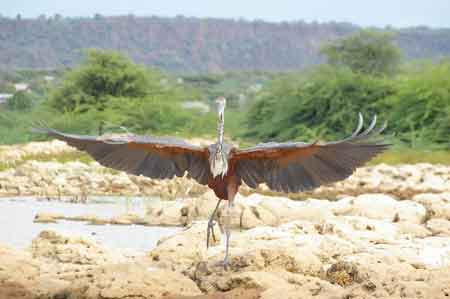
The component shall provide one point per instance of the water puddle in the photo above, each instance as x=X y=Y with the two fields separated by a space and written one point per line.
x=17 y=228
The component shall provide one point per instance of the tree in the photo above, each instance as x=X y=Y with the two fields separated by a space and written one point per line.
x=21 y=100
x=367 y=51
x=419 y=111
x=103 y=75
x=323 y=103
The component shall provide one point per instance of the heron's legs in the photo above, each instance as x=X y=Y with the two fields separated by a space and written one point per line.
x=210 y=229
x=227 y=224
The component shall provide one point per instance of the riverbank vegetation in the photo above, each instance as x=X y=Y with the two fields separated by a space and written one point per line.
x=364 y=73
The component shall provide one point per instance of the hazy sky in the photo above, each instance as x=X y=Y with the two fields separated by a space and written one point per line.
x=399 y=13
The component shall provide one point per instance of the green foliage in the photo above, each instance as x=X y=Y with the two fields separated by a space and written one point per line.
x=160 y=114
x=324 y=103
x=367 y=52
x=405 y=155
x=104 y=74
x=236 y=87
x=190 y=45
x=21 y=100
x=15 y=125
x=419 y=111
x=109 y=89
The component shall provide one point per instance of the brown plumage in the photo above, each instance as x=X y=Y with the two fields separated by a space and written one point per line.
x=285 y=167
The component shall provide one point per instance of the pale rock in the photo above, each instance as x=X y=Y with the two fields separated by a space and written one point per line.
x=167 y=213
x=413 y=230
x=410 y=211
x=374 y=206
x=437 y=204
x=256 y=215
x=282 y=207
x=47 y=218
x=433 y=182
x=119 y=220
x=185 y=248
x=203 y=206
x=249 y=218
x=71 y=250
x=342 y=206
x=362 y=231
x=133 y=280
x=427 y=253
x=439 y=226
x=310 y=290
x=255 y=268
x=253 y=280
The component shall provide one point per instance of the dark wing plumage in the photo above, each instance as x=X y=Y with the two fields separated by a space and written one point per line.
x=154 y=157
x=298 y=166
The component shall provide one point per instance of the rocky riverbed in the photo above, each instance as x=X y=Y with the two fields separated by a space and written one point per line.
x=383 y=233
x=366 y=246
x=78 y=181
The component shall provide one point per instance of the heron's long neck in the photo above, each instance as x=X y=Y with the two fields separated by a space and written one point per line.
x=220 y=129
x=219 y=164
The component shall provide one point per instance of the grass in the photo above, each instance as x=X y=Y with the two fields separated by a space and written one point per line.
x=412 y=156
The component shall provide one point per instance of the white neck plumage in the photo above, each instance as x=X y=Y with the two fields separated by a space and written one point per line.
x=220 y=126
x=219 y=163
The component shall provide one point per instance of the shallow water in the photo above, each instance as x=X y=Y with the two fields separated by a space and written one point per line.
x=18 y=229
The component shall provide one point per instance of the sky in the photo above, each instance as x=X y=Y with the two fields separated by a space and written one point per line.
x=397 y=13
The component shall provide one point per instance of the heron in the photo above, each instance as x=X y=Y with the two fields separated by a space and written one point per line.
x=285 y=167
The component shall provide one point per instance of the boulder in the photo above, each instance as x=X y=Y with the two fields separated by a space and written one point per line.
x=384 y=207
x=71 y=250
x=132 y=280
x=185 y=248
x=47 y=218
x=439 y=227
x=436 y=204
x=21 y=277
x=167 y=213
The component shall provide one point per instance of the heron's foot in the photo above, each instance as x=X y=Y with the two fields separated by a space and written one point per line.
x=210 y=232
x=225 y=263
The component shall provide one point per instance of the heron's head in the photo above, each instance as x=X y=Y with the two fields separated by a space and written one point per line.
x=221 y=102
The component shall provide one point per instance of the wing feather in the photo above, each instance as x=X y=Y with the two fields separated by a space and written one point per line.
x=154 y=157
x=298 y=166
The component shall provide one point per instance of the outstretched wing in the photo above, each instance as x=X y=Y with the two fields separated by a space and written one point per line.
x=297 y=166
x=154 y=157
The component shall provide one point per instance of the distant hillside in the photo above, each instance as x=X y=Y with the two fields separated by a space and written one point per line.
x=189 y=44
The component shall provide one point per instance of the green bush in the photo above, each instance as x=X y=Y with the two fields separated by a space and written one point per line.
x=367 y=52
x=323 y=103
x=21 y=100
x=419 y=110
x=104 y=74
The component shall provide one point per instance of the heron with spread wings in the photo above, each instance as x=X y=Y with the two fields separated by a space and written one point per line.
x=284 y=167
